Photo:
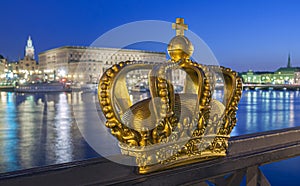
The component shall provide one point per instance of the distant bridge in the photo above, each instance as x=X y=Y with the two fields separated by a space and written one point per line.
x=271 y=86
x=245 y=155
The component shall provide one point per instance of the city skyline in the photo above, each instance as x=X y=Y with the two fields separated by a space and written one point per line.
x=255 y=35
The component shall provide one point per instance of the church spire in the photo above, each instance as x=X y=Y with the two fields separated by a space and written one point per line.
x=289 y=62
x=29 y=49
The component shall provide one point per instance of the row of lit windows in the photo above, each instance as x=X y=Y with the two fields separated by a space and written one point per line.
x=33 y=62
x=75 y=57
x=95 y=55
x=117 y=56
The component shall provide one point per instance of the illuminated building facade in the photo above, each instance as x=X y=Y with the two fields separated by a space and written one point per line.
x=2 y=64
x=86 y=64
x=28 y=64
x=284 y=75
x=24 y=70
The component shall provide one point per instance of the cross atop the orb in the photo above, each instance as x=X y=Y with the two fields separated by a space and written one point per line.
x=179 y=26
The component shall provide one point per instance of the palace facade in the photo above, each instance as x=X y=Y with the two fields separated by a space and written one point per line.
x=86 y=64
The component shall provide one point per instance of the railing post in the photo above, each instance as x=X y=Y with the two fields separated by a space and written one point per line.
x=251 y=176
x=263 y=181
x=236 y=178
x=255 y=177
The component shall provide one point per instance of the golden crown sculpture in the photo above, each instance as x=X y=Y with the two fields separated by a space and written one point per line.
x=171 y=129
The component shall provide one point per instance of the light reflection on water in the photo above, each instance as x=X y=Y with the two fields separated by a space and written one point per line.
x=40 y=129
x=267 y=110
x=8 y=132
x=63 y=123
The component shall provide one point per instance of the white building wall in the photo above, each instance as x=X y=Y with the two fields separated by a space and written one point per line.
x=85 y=64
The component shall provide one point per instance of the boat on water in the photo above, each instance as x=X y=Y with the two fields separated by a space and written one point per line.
x=43 y=87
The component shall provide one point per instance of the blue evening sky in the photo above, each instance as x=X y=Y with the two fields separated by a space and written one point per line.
x=243 y=34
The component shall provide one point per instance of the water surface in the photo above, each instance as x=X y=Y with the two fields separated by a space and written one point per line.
x=41 y=129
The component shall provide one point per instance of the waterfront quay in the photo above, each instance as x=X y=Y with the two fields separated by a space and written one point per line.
x=44 y=87
x=48 y=87
x=271 y=86
x=7 y=88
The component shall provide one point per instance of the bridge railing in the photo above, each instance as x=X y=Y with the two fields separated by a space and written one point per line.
x=245 y=155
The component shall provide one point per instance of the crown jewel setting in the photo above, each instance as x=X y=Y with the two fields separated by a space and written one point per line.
x=170 y=129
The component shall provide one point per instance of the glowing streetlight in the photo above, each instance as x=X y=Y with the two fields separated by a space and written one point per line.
x=62 y=73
